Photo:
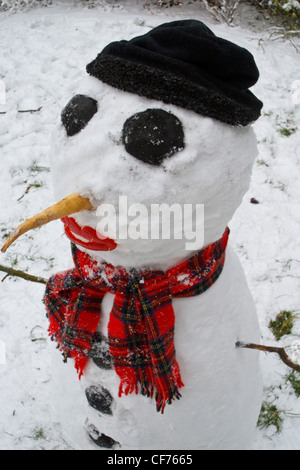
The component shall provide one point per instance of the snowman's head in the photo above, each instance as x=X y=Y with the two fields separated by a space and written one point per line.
x=158 y=140
x=142 y=164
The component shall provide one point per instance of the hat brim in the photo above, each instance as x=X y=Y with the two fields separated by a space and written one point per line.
x=240 y=109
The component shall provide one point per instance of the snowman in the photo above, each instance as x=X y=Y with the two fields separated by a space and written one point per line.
x=148 y=324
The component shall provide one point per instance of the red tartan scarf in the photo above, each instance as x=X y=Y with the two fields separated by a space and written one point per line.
x=141 y=325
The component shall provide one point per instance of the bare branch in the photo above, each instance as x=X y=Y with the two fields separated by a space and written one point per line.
x=21 y=274
x=280 y=351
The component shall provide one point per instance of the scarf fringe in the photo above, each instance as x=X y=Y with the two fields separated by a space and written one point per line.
x=79 y=360
x=152 y=387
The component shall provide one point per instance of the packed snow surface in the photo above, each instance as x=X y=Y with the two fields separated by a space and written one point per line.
x=43 y=56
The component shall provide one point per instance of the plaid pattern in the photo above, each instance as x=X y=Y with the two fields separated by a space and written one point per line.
x=142 y=320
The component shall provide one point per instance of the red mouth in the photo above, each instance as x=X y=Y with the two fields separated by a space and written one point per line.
x=89 y=238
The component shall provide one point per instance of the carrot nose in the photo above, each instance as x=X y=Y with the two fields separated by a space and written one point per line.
x=67 y=206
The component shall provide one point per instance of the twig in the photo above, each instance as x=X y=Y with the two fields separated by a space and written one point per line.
x=22 y=274
x=222 y=9
x=30 y=110
x=25 y=110
x=280 y=351
x=282 y=33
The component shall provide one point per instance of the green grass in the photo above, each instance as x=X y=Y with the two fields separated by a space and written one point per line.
x=37 y=434
x=283 y=324
x=270 y=416
x=35 y=168
x=286 y=132
x=294 y=379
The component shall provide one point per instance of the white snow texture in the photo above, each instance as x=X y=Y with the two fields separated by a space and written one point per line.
x=43 y=56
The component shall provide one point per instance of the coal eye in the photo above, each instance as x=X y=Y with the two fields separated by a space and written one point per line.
x=153 y=135
x=78 y=112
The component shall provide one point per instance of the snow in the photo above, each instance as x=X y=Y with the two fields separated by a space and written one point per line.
x=43 y=56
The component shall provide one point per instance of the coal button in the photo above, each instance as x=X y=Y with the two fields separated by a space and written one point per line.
x=99 y=398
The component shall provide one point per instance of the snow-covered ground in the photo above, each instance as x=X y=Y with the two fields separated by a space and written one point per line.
x=43 y=56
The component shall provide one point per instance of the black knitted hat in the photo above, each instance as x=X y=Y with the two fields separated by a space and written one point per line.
x=185 y=64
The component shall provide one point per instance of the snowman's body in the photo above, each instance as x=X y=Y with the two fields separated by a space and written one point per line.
x=221 y=397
